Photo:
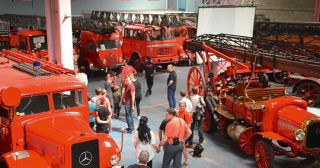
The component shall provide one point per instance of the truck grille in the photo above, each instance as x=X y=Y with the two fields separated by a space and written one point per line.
x=164 y=51
x=85 y=154
x=312 y=141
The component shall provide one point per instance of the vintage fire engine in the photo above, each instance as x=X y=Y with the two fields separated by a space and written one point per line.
x=168 y=21
x=100 y=44
x=141 y=41
x=44 y=118
x=100 y=51
x=262 y=119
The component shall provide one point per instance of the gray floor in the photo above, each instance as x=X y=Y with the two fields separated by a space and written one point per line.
x=219 y=152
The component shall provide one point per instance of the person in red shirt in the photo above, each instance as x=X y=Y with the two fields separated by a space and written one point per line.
x=186 y=116
x=126 y=70
x=128 y=99
x=176 y=132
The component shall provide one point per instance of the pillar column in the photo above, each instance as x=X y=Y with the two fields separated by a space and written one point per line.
x=59 y=32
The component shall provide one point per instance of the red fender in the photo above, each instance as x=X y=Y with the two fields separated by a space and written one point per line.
x=25 y=158
x=273 y=105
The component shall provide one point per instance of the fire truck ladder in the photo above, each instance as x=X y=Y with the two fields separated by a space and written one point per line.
x=162 y=18
x=95 y=25
x=263 y=29
x=267 y=52
x=4 y=28
x=99 y=26
x=25 y=63
x=24 y=20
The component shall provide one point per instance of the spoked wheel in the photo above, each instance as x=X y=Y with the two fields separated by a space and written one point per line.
x=245 y=142
x=194 y=79
x=263 y=153
x=309 y=91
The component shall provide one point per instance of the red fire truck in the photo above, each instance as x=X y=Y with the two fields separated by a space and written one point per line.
x=44 y=118
x=100 y=51
x=263 y=120
x=141 y=41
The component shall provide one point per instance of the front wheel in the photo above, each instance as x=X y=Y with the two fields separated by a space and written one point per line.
x=263 y=153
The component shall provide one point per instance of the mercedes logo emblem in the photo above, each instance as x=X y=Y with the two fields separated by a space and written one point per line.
x=85 y=158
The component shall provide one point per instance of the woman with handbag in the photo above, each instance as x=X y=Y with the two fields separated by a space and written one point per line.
x=198 y=109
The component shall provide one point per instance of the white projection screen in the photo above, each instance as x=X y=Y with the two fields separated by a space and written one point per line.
x=228 y=20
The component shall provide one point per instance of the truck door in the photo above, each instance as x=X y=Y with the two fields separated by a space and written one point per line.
x=88 y=50
x=127 y=47
x=5 y=132
x=139 y=42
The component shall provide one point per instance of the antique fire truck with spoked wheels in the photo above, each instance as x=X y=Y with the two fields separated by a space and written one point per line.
x=305 y=38
x=44 y=118
x=264 y=120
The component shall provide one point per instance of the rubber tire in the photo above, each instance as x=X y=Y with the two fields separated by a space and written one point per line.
x=133 y=61
x=269 y=150
x=211 y=104
x=264 y=79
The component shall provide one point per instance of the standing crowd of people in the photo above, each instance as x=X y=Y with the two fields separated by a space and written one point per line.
x=176 y=132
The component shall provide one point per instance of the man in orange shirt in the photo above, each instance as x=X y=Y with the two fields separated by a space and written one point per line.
x=126 y=70
x=176 y=133
x=186 y=116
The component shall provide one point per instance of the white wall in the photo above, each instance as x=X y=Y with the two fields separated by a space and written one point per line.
x=81 y=6
x=173 y=4
x=192 y=5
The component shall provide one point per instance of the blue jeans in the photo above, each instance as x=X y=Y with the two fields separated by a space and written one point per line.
x=129 y=117
x=171 y=97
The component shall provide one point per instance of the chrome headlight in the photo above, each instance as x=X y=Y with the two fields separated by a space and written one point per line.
x=299 y=134
x=114 y=160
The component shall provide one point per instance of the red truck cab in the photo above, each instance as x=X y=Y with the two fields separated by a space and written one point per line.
x=100 y=51
x=33 y=42
x=44 y=119
x=141 y=41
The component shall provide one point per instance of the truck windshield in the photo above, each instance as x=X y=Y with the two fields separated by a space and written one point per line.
x=67 y=99
x=38 y=40
x=33 y=104
x=156 y=35
x=108 y=44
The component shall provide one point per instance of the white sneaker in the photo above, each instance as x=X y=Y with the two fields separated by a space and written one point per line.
x=139 y=117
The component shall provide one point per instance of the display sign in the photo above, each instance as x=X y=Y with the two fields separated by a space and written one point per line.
x=227 y=20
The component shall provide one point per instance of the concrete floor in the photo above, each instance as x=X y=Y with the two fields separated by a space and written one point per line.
x=219 y=152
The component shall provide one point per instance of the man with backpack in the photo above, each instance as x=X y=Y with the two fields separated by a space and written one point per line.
x=198 y=109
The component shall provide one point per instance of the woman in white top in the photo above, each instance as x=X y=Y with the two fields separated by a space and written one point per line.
x=144 y=140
